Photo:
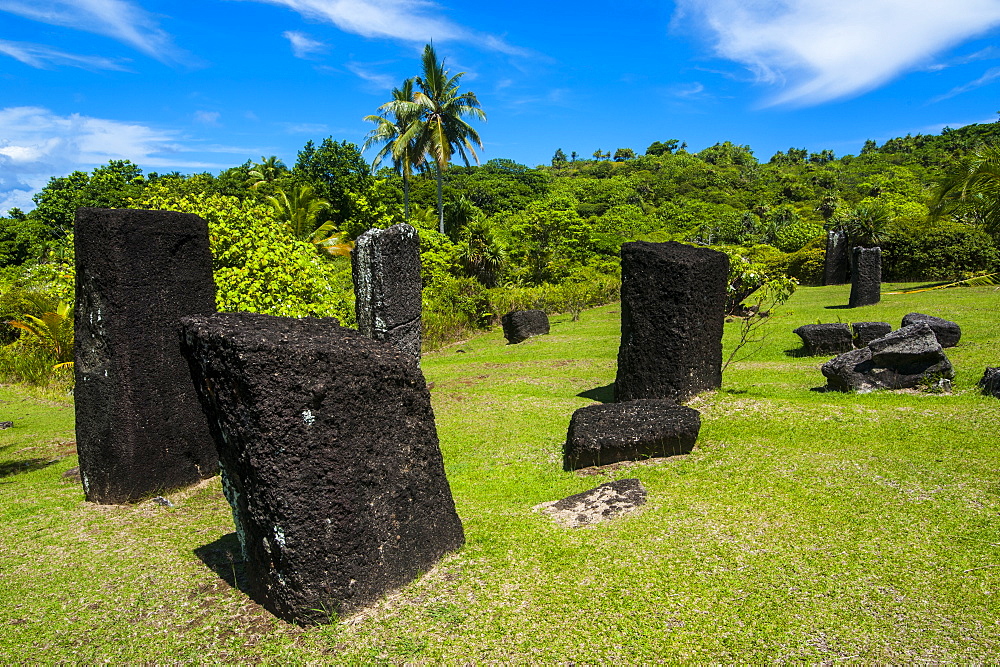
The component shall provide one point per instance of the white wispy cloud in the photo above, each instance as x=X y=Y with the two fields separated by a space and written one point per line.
x=303 y=46
x=124 y=21
x=408 y=20
x=36 y=144
x=46 y=57
x=207 y=117
x=988 y=77
x=822 y=50
x=380 y=80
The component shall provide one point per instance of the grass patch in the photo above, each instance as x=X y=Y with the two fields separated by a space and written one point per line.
x=805 y=526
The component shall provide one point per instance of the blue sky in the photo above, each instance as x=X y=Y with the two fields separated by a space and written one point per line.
x=197 y=86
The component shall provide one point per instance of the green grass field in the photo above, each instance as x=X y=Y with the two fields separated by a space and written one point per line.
x=805 y=526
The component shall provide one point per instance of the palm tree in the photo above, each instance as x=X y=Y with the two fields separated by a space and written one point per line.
x=269 y=169
x=440 y=130
x=300 y=208
x=388 y=132
x=974 y=187
x=480 y=254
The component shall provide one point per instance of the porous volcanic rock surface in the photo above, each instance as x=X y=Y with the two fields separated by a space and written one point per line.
x=866 y=282
x=948 y=333
x=140 y=430
x=825 y=339
x=521 y=325
x=330 y=460
x=903 y=359
x=866 y=332
x=387 y=286
x=990 y=382
x=836 y=262
x=629 y=431
x=673 y=310
x=604 y=502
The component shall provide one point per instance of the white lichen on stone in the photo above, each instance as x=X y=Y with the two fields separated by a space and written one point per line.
x=308 y=417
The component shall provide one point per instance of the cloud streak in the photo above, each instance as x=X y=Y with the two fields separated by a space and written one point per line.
x=121 y=20
x=407 y=20
x=41 y=56
x=819 y=50
x=303 y=46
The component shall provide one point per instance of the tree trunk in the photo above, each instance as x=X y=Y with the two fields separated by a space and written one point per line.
x=406 y=196
x=440 y=201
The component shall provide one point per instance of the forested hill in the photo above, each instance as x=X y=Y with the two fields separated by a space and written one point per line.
x=516 y=235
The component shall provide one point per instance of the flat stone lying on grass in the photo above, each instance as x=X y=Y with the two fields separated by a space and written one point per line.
x=905 y=358
x=820 y=339
x=604 y=502
x=629 y=431
x=386 y=271
x=330 y=460
x=990 y=382
x=866 y=282
x=866 y=332
x=6 y=425
x=948 y=333
x=673 y=310
x=140 y=429
x=521 y=325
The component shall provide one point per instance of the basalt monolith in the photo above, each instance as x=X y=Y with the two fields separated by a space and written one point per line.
x=330 y=460
x=673 y=309
x=836 y=264
x=387 y=286
x=866 y=282
x=140 y=429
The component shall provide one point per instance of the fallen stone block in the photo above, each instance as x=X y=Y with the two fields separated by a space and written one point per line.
x=825 y=339
x=990 y=382
x=521 y=325
x=673 y=310
x=140 y=430
x=866 y=332
x=948 y=333
x=866 y=283
x=629 y=431
x=6 y=425
x=906 y=358
x=330 y=460
x=604 y=502
x=387 y=286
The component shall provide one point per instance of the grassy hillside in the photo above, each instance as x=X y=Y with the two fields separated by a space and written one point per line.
x=804 y=526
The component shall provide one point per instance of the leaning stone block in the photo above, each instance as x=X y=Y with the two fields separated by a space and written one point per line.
x=819 y=339
x=140 y=430
x=948 y=333
x=521 y=325
x=387 y=286
x=906 y=358
x=990 y=382
x=330 y=460
x=607 y=501
x=673 y=309
x=866 y=283
x=866 y=332
x=629 y=431
x=836 y=264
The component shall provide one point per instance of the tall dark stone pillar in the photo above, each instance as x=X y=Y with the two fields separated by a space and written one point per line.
x=140 y=429
x=836 y=266
x=673 y=309
x=330 y=460
x=866 y=284
x=387 y=286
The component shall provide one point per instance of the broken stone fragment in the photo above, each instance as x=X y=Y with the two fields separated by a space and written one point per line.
x=604 y=502
x=825 y=339
x=905 y=358
x=866 y=332
x=948 y=333
x=521 y=325
x=990 y=382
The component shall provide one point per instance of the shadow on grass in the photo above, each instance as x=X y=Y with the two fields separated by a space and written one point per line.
x=797 y=352
x=225 y=557
x=605 y=394
x=11 y=468
x=840 y=307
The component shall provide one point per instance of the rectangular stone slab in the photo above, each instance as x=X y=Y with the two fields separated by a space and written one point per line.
x=330 y=460
x=673 y=309
x=140 y=429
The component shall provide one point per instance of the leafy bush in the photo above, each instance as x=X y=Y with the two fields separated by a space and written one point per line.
x=796 y=235
x=807 y=266
x=947 y=251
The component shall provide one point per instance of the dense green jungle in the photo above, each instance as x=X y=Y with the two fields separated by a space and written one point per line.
x=511 y=236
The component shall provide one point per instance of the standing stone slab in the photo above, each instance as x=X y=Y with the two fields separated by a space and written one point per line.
x=948 y=333
x=631 y=431
x=866 y=332
x=387 y=286
x=521 y=325
x=836 y=265
x=830 y=338
x=140 y=430
x=673 y=309
x=330 y=460
x=866 y=283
